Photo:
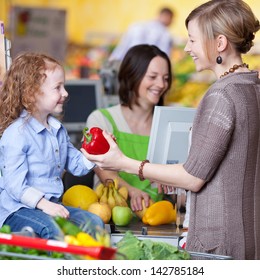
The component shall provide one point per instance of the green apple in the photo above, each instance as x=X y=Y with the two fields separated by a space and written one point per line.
x=121 y=215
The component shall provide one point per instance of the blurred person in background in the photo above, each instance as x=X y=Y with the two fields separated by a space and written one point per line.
x=144 y=77
x=153 y=32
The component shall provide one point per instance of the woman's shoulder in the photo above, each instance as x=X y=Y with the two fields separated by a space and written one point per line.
x=112 y=110
x=116 y=109
x=115 y=113
x=97 y=118
x=119 y=119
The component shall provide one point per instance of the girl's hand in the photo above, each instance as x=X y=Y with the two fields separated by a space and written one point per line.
x=52 y=208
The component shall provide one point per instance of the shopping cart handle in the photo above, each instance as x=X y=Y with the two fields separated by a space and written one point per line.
x=98 y=252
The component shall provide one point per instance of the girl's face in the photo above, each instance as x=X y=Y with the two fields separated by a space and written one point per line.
x=53 y=95
x=155 y=81
x=195 y=47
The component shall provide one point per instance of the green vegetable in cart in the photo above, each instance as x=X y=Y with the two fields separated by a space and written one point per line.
x=135 y=249
x=10 y=252
x=5 y=229
x=67 y=227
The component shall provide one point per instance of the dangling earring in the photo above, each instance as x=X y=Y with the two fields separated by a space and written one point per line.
x=219 y=59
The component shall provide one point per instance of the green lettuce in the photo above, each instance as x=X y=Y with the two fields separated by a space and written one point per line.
x=135 y=249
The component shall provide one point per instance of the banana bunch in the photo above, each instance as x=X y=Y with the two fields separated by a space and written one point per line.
x=111 y=194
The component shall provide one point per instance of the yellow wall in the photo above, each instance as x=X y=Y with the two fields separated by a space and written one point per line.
x=112 y=16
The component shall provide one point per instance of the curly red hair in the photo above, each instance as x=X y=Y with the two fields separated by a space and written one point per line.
x=21 y=84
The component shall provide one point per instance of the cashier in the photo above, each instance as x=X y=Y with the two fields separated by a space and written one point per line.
x=144 y=78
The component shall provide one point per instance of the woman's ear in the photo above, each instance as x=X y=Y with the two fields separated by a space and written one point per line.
x=221 y=43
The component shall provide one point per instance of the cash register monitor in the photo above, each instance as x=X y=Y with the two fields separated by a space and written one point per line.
x=85 y=96
x=170 y=134
x=169 y=143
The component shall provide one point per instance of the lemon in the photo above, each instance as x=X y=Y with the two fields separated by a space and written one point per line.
x=80 y=196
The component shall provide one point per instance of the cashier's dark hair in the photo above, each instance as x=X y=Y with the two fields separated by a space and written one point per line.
x=133 y=69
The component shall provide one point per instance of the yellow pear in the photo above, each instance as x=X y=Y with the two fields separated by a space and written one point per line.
x=102 y=210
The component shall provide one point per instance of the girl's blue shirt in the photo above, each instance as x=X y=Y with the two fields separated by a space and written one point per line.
x=32 y=161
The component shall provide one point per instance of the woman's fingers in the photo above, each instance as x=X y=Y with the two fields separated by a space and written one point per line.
x=165 y=188
x=110 y=138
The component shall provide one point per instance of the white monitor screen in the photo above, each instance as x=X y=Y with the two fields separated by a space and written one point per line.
x=85 y=96
x=170 y=133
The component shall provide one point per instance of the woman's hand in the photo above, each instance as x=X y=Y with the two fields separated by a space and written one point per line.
x=165 y=189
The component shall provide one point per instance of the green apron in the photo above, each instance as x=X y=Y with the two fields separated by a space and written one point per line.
x=134 y=146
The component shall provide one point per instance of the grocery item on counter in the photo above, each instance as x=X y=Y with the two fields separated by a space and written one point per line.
x=111 y=194
x=101 y=209
x=79 y=196
x=122 y=215
x=161 y=212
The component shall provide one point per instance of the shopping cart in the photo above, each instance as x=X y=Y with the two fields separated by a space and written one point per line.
x=69 y=251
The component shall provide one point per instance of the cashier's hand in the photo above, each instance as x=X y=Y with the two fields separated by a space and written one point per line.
x=136 y=197
x=165 y=189
x=110 y=160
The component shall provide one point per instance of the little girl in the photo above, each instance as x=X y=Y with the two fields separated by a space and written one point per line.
x=35 y=149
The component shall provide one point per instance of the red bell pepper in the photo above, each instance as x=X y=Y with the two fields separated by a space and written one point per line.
x=94 y=141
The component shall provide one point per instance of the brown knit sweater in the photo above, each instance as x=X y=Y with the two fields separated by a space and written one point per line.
x=225 y=151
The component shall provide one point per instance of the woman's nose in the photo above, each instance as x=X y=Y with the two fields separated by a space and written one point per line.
x=187 y=48
x=160 y=82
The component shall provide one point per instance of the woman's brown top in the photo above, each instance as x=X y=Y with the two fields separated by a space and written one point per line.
x=225 y=151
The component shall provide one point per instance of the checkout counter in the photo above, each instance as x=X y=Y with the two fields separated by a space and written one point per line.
x=166 y=233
